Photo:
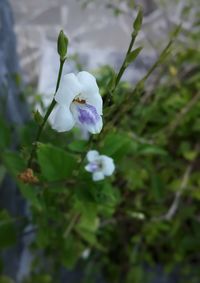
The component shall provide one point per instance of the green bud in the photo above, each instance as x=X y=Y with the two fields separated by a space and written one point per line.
x=62 y=45
x=138 y=21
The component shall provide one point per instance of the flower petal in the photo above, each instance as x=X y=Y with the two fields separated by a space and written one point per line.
x=96 y=100
x=108 y=165
x=69 y=88
x=87 y=117
x=62 y=119
x=95 y=128
x=97 y=176
x=88 y=83
x=90 y=90
x=92 y=155
x=92 y=167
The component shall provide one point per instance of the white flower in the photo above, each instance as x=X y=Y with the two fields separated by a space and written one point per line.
x=86 y=253
x=78 y=102
x=99 y=165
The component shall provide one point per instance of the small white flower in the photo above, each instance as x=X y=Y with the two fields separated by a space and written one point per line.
x=78 y=102
x=99 y=165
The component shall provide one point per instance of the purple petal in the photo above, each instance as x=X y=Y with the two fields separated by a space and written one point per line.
x=87 y=117
x=92 y=167
x=87 y=114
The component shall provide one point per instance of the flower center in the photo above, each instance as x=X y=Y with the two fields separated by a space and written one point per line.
x=95 y=166
x=79 y=100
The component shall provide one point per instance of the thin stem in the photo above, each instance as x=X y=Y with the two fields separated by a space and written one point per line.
x=123 y=66
x=180 y=115
x=127 y=105
x=108 y=100
x=59 y=74
x=71 y=225
x=184 y=184
x=51 y=107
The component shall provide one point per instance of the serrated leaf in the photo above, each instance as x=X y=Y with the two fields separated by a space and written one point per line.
x=116 y=145
x=55 y=163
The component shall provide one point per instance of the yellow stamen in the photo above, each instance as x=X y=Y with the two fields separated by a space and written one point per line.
x=78 y=100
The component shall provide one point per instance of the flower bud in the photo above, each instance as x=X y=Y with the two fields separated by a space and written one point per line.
x=138 y=21
x=62 y=45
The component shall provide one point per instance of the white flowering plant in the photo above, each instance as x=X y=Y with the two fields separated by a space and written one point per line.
x=106 y=201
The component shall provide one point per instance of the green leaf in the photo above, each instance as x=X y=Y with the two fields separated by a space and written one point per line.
x=41 y=278
x=138 y=21
x=7 y=230
x=106 y=194
x=13 y=162
x=116 y=145
x=190 y=155
x=133 y=55
x=5 y=279
x=78 y=146
x=157 y=186
x=2 y=173
x=55 y=163
x=151 y=150
x=38 y=117
x=4 y=134
x=72 y=250
x=31 y=194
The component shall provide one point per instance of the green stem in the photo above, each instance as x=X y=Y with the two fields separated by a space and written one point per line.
x=123 y=67
x=127 y=105
x=62 y=61
x=51 y=107
x=71 y=225
x=108 y=99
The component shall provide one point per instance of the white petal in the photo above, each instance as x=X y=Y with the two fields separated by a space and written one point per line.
x=96 y=100
x=108 y=165
x=97 y=176
x=62 y=119
x=88 y=168
x=88 y=83
x=90 y=90
x=92 y=155
x=96 y=128
x=92 y=167
x=69 y=88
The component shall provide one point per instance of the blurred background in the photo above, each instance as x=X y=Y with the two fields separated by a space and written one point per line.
x=99 y=32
